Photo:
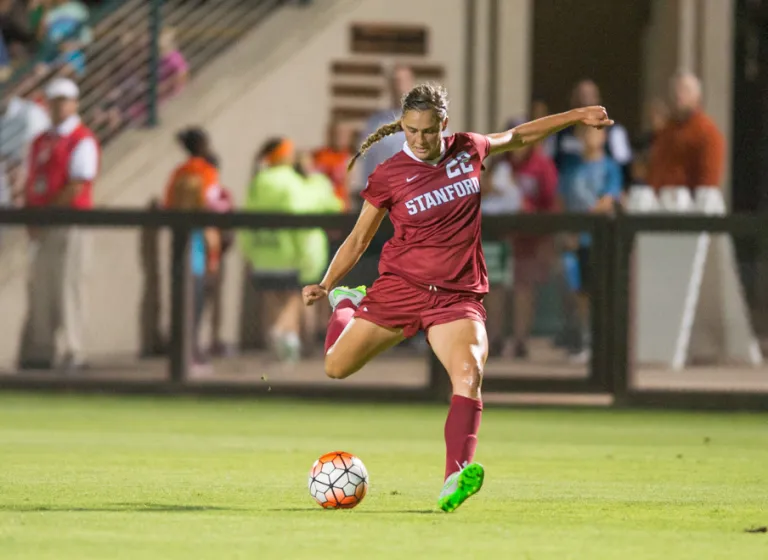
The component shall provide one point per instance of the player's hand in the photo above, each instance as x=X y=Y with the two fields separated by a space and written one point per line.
x=310 y=294
x=595 y=116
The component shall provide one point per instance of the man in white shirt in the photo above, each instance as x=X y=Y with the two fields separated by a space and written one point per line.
x=62 y=166
x=20 y=123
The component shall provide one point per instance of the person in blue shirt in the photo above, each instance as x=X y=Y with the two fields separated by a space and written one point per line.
x=592 y=185
x=66 y=33
x=566 y=148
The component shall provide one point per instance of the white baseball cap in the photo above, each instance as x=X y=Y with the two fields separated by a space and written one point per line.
x=62 y=87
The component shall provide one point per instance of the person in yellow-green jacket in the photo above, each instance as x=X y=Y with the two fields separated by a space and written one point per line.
x=275 y=256
x=318 y=197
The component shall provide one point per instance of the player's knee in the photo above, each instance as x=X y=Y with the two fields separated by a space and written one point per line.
x=467 y=378
x=335 y=368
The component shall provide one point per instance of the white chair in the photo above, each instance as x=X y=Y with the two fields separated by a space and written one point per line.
x=676 y=199
x=642 y=199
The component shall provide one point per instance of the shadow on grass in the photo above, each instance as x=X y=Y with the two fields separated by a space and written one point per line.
x=127 y=507
x=357 y=511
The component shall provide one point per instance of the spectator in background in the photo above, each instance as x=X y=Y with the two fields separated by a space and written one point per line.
x=35 y=13
x=332 y=160
x=194 y=185
x=204 y=252
x=568 y=148
x=401 y=80
x=690 y=150
x=174 y=70
x=593 y=185
x=275 y=255
x=534 y=176
x=16 y=36
x=63 y=164
x=21 y=121
x=201 y=162
x=317 y=197
x=173 y=74
x=219 y=200
x=65 y=33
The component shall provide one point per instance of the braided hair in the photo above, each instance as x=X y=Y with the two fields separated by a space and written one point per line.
x=424 y=97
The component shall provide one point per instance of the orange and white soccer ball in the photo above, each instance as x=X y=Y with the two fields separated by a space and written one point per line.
x=338 y=480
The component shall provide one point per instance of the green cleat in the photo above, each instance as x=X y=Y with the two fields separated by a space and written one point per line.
x=355 y=295
x=460 y=486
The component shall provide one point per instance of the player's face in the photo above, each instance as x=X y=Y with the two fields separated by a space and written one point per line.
x=423 y=132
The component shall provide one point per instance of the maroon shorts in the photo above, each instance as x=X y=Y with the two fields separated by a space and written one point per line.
x=395 y=303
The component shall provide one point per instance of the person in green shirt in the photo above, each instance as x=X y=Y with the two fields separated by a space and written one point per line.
x=275 y=256
x=318 y=197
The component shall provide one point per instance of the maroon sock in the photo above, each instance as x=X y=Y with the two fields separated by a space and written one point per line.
x=461 y=429
x=341 y=316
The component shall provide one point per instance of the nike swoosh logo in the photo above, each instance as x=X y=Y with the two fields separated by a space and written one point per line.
x=409 y=179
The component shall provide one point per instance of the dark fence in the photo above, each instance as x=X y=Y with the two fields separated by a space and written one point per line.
x=610 y=374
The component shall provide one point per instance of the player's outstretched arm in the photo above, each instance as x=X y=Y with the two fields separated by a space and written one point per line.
x=349 y=253
x=532 y=132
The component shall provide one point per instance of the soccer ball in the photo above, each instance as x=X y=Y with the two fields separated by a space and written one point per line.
x=338 y=480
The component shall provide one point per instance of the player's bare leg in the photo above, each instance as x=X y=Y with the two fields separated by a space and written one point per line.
x=462 y=348
x=351 y=343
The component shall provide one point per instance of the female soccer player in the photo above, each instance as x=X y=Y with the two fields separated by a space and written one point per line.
x=432 y=272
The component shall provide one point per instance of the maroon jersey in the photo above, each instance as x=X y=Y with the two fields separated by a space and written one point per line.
x=435 y=209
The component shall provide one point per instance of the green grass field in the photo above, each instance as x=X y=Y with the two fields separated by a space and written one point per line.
x=110 y=477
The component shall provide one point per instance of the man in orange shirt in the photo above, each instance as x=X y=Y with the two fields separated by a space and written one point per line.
x=689 y=150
